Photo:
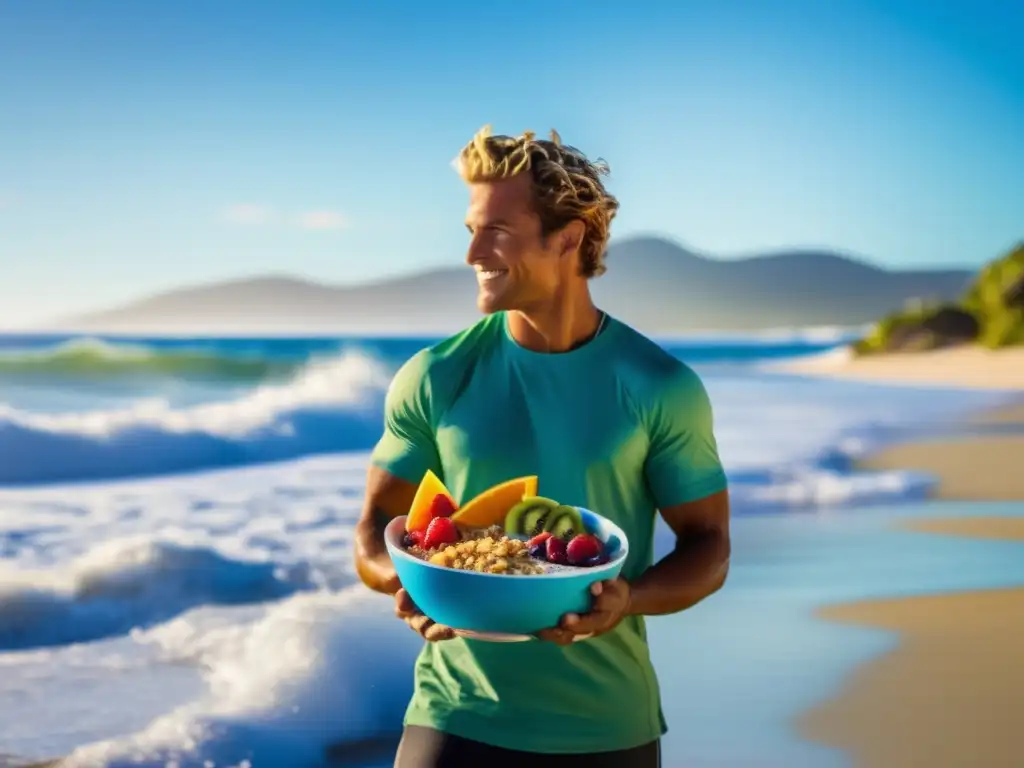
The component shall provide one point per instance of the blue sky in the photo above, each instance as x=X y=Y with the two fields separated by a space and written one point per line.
x=145 y=145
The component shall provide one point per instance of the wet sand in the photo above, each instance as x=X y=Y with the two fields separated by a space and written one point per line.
x=1008 y=415
x=986 y=465
x=951 y=695
x=967 y=467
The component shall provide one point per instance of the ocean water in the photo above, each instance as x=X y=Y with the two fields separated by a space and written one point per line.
x=176 y=518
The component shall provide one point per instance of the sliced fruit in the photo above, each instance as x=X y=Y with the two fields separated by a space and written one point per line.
x=423 y=502
x=523 y=518
x=514 y=519
x=560 y=525
x=544 y=500
x=492 y=506
x=584 y=550
x=564 y=521
x=440 y=533
x=533 y=520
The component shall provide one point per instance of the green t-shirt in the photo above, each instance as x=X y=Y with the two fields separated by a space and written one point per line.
x=618 y=426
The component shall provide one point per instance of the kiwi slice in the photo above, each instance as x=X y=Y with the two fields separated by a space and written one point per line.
x=560 y=524
x=533 y=520
x=514 y=518
x=527 y=517
x=565 y=521
x=540 y=501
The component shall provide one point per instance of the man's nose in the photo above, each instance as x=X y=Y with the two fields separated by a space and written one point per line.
x=475 y=253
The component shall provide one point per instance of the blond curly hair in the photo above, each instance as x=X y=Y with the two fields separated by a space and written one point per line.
x=566 y=185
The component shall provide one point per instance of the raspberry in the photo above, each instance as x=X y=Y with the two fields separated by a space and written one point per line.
x=442 y=506
x=440 y=532
x=584 y=549
x=556 y=550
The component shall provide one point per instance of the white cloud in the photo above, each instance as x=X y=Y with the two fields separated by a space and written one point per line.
x=248 y=214
x=321 y=220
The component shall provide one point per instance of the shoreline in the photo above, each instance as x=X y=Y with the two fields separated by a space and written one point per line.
x=964 y=467
x=967 y=367
x=950 y=693
x=977 y=459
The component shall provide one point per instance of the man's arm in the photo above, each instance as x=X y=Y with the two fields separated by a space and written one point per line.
x=689 y=488
x=698 y=565
x=688 y=483
x=387 y=497
x=405 y=451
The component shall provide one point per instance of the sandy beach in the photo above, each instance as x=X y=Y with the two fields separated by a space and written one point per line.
x=968 y=367
x=967 y=467
x=979 y=463
x=971 y=464
x=951 y=693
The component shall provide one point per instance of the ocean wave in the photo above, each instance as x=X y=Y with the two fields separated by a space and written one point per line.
x=331 y=405
x=91 y=358
x=285 y=690
x=122 y=584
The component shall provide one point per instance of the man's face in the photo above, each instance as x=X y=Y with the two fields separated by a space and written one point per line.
x=515 y=268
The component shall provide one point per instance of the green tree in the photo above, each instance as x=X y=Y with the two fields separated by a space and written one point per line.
x=995 y=299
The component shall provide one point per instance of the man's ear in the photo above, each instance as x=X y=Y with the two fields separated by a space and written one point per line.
x=570 y=238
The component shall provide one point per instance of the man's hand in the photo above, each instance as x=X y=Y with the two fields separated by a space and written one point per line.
x=422 y=625
x=611 y=603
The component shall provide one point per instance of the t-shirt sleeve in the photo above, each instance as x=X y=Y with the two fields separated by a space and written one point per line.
x=407 y=449
x=682 y=462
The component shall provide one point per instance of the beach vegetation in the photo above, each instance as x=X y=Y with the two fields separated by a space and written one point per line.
x=989 y=313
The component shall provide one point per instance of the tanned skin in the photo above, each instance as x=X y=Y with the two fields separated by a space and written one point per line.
x=388 y=497
x=537 y=280
x=696 y=568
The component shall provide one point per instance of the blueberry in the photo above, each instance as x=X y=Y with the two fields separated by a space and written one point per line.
x=590 y=562
x=407 y=541
x=538 y=551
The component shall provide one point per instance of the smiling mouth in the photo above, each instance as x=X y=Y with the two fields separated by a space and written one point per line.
x=483 y=275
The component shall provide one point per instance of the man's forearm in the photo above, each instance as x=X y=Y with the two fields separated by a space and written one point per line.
x=373 y=563
x=695 y=569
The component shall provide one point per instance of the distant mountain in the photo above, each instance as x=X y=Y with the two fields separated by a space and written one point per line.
x=651 y=283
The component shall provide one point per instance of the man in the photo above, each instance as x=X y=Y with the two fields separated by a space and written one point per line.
x=548 y=385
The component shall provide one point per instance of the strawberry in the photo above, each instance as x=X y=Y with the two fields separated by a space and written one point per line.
x=584 y=549
x=442 y=506
x=556 y=550
x=440 y=533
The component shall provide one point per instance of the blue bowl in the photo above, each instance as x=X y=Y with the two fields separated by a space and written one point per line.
x=495 y=603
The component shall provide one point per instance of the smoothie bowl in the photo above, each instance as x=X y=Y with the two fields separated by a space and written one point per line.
x=508 y=563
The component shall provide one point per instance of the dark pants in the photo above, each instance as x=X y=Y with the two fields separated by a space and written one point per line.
x=427 y=748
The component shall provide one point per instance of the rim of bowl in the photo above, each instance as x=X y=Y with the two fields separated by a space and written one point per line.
x=394 y=547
